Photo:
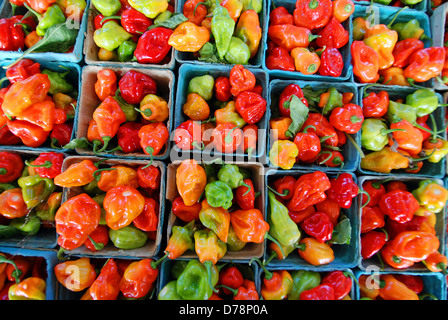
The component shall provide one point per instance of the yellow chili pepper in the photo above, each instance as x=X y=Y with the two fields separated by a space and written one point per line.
x=381 y=39
x=384 y=161
x=32 y=288
x=196 y=108
x=283 y=154
x=154 y=108
x=229 y=114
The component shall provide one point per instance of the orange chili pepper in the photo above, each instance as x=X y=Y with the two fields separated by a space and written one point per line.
x=250 y=134
x=190 y=180
x=119 y=175
x=368 y=286
x=12 y=204
x=436 y=262
x=122 y=204
x=276 y=285
x=315 y=252
x=195 y=107
x=415 y=245
x=389 y=257
x=343 y=9
x=106 y=84
x=279 y=127
x=75 y=275
x=154 y=108
x=41 y=114
x=32 y=38
x=227 y=137
x=393 y=289
x=76 y=175
x=189 y=37
x=249 y=225
x=305 y=61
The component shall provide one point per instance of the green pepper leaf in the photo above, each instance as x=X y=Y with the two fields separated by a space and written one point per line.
x=342 y=231
x=299 y=114
x=312 y=96
x=171 y=23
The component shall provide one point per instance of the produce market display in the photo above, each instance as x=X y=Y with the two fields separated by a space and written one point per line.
x=223 y=150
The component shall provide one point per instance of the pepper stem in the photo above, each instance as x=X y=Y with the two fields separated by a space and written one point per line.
x=37 y=14
x=285 y=192
x=109 y=18
x=208 y=265
x=350 y=138
x=360 y=191
x=197 y=146
x=96 y=245
x=242 y=183
x=150 y=151
x=146 y=112
x=197 y=5
x=17 y=272
x=106 y=140
x=46 y=164
x=155 y=264
x=268 y=274
x=3 y=171
x=234 y=291
x=395 y=17
x=96 y=173
x=228 y=138
x=269 y=237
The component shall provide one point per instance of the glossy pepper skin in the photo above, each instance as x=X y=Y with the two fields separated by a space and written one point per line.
x=75 y=220
x=152 y=46
x=276 y=285
x=222 y=28
x=249 y=225
x=309 y=189
x=314 y=252
x=290 y=36
x=331 y=62
x=106 y=285
x=76 y=175
x=122 y=204
x=87 y=275
x=11 y=165
x=248 y=29
x=425 y=64
x=180 y=240
x=216 y=219
x=312 y=14
x=135 y=85
x=404 y=49
x=153 y=138
x=279 y=58
x=251 y=106
x=333 y=35
x=193 y=282
x=372 y=242
x=399 y=205
x=365 y=62
x=431 y=195
x=138 y=278
x=343 y=189
x=191 y=180
x=319 y=226
x=374 y=105
x=347 y=119
x=13 y=36
x=283 y=154
x=321 y=292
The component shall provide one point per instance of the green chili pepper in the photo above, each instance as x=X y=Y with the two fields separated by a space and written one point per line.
x=231 y=175
x=110 y=36
x=238 y=52
x=128 y=237
x=194 y=283
x=409 y=29
x=54 y=15
x=384 y=2
x=400 y=111
x=169 y=292
x=58 y=83
x=425 y=101
x=28 y=225
x=222 y=27
x=107 y=7
x=256 y=5
x=177 y=268
x=162 y=17
x=35 y=189
x=233 y=242
x=202 y=85
x=47 y=210
x=303 y=280
x=126 y=50
x=374 y=134
x=219 y=194
x=92 y=188
x=129 y=110
x=282 y=227
x=334 y=101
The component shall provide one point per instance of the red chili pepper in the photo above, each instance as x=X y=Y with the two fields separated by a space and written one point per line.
x=251 y=106
x=11 y=165
x=100 y=237
x=250 y=136
x=343 y=189
x=389 y=256
x=340 y=281
x=134 y=21
x=184 y=212
x=21 y=70
x=30 y=134
x=322 y=127
x=231 y=277
x=153 y=138
x=227 y=137
x=309 y=189
x=152 y=46
x=241 y=79
x=321 y=292
x=188 y=135
x=312 y=14
x=404 y=49
x=413 y=282
x=48 y=164
x=244 y=196
x=149 y=218
x=98 y=21
x=375 y=190
x=425 y=64
x=7 y=137
x=12 y=36
x=106 y=285
x=330 y=158
x=285 y=98
x=308 y=144
x=280 y=15
x=148 y=177
x=284 y=187
x=222 y=88
x=399 y=205
x=330 y=208
x=422 y=122
x=127 y=136
x=134 y=86
x=372 y=242
x=195 y=11
x=374 y=105
x=300 y=216
x=331 y=62
x=319 y=226
x=393 y=228
x=347 y=119
x=23 y=264
x=279 y=58
x=371 y=218
x=333 y=35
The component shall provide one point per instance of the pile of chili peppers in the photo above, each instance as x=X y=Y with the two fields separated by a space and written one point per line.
x=306 y=285
x=306 y=214
x=29 y=30
x=116 y=203
x=130 y=118
x=223 y=113
x=22 y=277
x=312 y=126
x=394 y=54
x=37 y=106
x=232 y=281
x=400 y=3
x=398 y=223
x=226 y=31
x=134 y=31
x=392 y=287
x=111 y=279
x=309 y=39
x=29 y=197
x=401 y=135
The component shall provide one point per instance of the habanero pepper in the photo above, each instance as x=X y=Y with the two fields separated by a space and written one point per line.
x=276 y=285
x=181 y=240
x=399 y=205
x=195 y=11
x=48 y=164
x=341 y=282
x=343 y=190
x=127 y=137
x=280 y=15
x=135 y=85
x=11 y=166
x=289 y=36
x=425 y=64
x=331 y=62
x=152 y=46
x=309 y=189
x=312 y=14
x=76 y=175
x=106 y=285
x=216 y=219
x=106 y=83
x=308 y=144
x=333 y=35
x=365 y=62
x=285 y=98
x=404 y=49
x=251 y=106
x=315 y=252
x=227 y=138
x=330 y=158
x=241 y=79
x=191 y=180
x=319 y=226
x=153 y=138
x=347 y=119
x=374 y=105
x=284 y=187
x=279 y=58
x=372 y=242
x=64 y=274
x=321 y=292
